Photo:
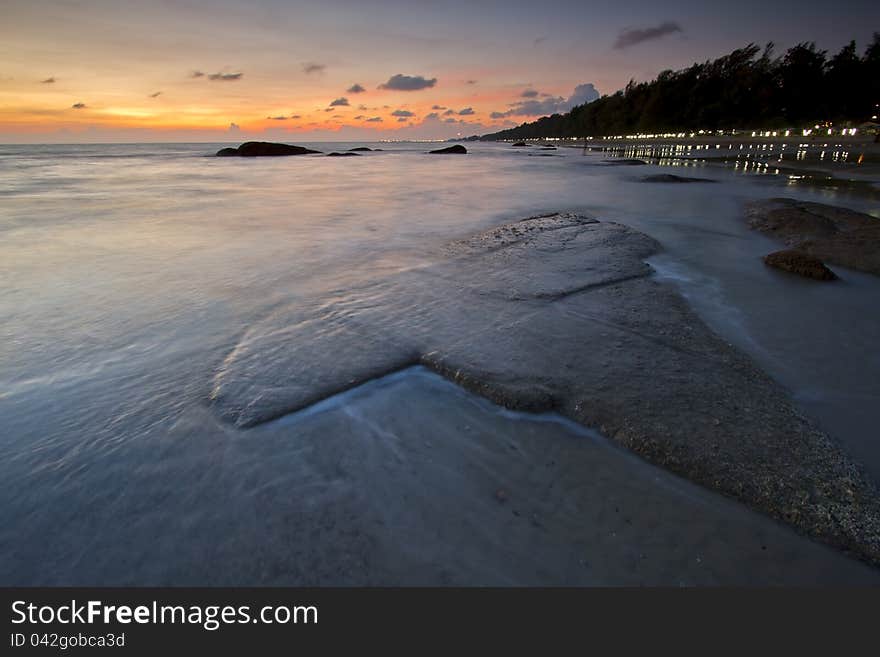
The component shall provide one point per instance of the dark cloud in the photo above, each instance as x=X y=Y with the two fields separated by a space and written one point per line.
x=340 y=102
x=403 y=113
x=401 y=82
x=359 y=117
x=375 y=119
x=467 y=111
x=78 y=106
x=196 y=74
x=583 y=93
x=451 y=121
x=438 y=107
x=156 y=95
x=295 y=116
x=633 y=36
x=470 y=81
x=402 y=120
x=356 y=89
x=529 y=93
x=277 y=118
x=329 y=109
x=234 y=127
x=449 y=112
x=48 y=81
x=313 y=67
x=363 y=108
x=225 y=77
x=433 y=116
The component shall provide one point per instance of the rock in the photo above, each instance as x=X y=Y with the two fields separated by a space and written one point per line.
x=832 y=234
x=800 y=263
x=264 y=149
x=520 y=144
x=624 y=162
x=670 y=178
x=548 y=147
x=458 y=148
x=335 y=154
x=362 y=148
x=571 y=320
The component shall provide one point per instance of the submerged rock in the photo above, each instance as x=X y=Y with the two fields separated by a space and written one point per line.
x=520 y=144
x=561 y=312
x=457 y=149
x=264 y=149
x=624 y=162
x=671 y=178
x=833 y=234
x=800 y=263
x=346 y=154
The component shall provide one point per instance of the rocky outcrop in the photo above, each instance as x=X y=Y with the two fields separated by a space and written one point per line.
x=264 y=149
x=835 y=235
x=560 y=312
x=520 y=144
x=346 y=154
x=671 y=178
x=801 y=264
x=363 y=149
x=451 y=150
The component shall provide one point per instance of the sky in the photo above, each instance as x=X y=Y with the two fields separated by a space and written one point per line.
x=289 y=70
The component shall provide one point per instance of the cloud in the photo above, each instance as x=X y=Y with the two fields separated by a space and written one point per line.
x=359 y=117
x=156 y=95
x=295 y=116
x=313 y=67
x=451 y=121
x=583 y=93
x=401 y=82
x=48 y=81
x=375 y=119
x=449 y=112
x=467 y=111
x=540 y=40
x=470 y=81
x=363 y=108
x=196 y=74
x=633 y=36
x=225 y=77
x=234 y=127
x=403 y=113
x=438 y=107
x=277 y=118
x=433 y=116
x=78 y=106
x=340 y=102
x=402 y=120
x=529 y=93
x=356 y=89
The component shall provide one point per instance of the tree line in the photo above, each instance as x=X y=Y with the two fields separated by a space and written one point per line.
x=749 y=88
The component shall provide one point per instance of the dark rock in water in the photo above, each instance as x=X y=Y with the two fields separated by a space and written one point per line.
x=264 y=149
x=835 y=235
x=335 y=154
x=624 y=162
x=670 y=178
x=800 y=263
x=362 y=148
x=520 y=144
x=458 y=148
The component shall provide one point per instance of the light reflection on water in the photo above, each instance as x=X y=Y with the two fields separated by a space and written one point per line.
x=129 y=272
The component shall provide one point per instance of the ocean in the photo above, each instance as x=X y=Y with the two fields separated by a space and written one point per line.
x=130 y=273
